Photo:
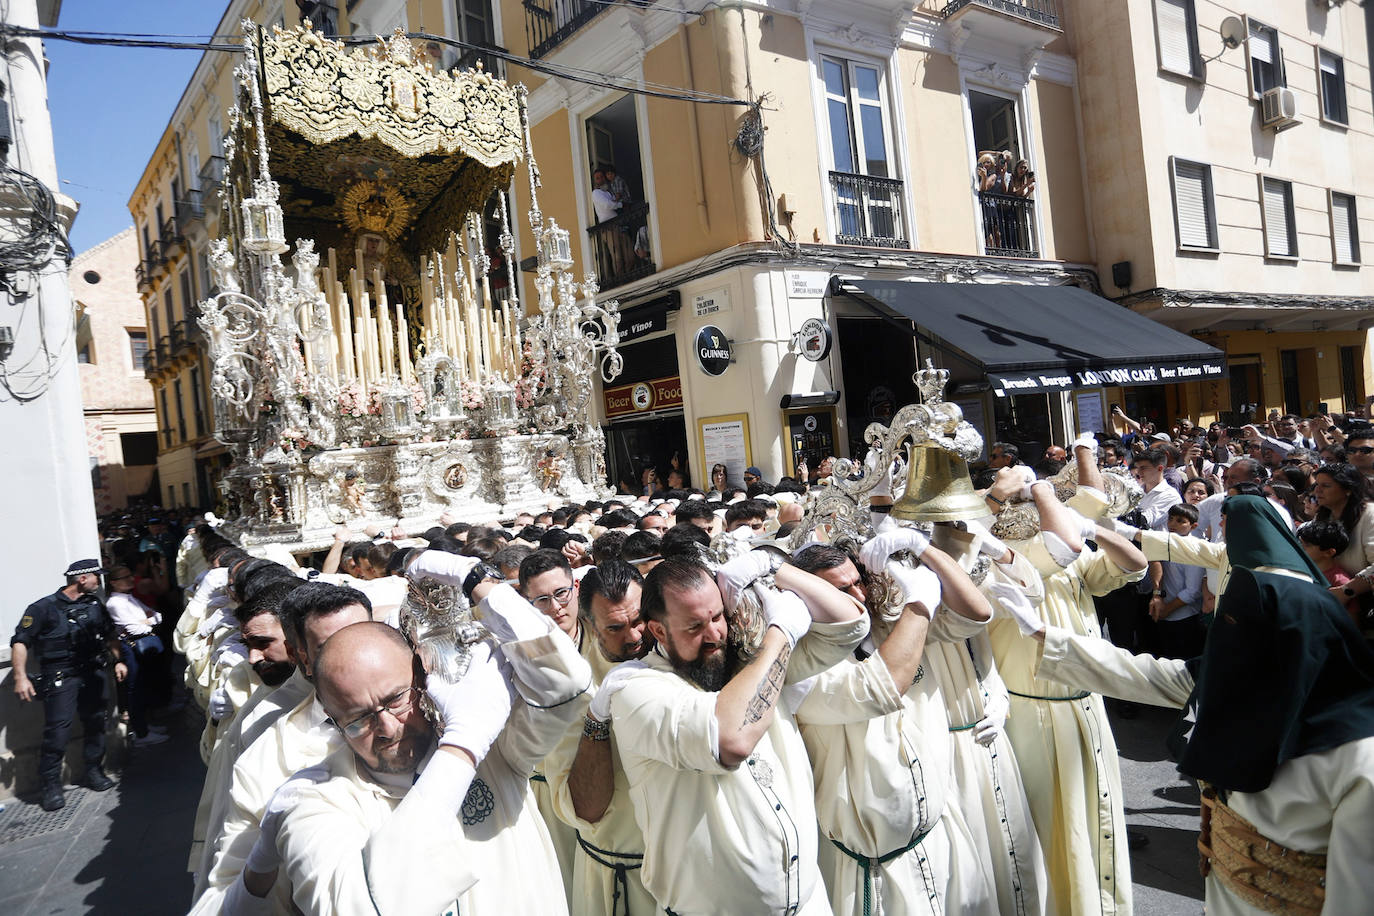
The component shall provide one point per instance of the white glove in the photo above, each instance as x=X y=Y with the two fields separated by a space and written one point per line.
x=263 y=857
x=786 y=611
x=992 y=547
x=1027 y=492
x=1126 y=531
x=735 y=576
x=475 y=708
x=919 y=585
x=994 y=721
x=1018 y=607
x=1061 y=552
x=874 y=467
x=613 y=683
x=1087 y=441
x=220 y=705
x=1087 y=527
x=511 y=618
x=874 y=553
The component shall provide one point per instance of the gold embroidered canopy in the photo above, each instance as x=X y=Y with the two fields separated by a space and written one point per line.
x=377 y=137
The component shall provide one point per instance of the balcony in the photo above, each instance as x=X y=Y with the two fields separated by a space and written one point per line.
x=211 y=175
x=191 y=210
x=1023 y=24
x=143 y=274
x=187 y=333
x=549 y=23
x=868 y=211
x=1008 y=225
x=496 y=66
x=150 y=363
x=172 y=237
x=620 y=247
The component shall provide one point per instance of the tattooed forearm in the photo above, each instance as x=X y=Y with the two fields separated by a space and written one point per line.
x=767 y=694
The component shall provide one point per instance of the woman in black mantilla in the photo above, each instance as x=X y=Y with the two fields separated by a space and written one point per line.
x=1278 y=726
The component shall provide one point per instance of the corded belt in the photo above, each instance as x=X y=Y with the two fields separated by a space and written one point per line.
x=1265 y=874
x=1030 y=696
x=962 y=728
x=868 y=864
x=622 y=870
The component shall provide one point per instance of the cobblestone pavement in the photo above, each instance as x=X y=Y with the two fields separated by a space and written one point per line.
x=124 y=851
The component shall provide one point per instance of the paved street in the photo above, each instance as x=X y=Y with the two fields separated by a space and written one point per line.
x=124 y=851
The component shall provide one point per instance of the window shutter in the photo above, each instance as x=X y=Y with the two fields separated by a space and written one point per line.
x=1342 y=234
x=1261 y=48
x=1328 y=63
x=1276 y=217
x=1175 y=50
x=1192 y=203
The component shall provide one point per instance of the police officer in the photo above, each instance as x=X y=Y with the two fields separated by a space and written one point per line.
x=72 y=637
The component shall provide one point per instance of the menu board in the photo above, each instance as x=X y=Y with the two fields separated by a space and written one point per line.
x=725 y=440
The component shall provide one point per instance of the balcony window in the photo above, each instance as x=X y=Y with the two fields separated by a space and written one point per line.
x=619 y=235
x=1331 y=77
x=1280 y=234
x=1003 y=178
x=549 y=23
x=867 y=195
x=1266 y=60
x=1176 y=29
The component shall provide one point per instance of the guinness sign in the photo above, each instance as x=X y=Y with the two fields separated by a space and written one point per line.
x=713 y=350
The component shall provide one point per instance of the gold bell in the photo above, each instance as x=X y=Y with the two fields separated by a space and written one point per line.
x=938 y=488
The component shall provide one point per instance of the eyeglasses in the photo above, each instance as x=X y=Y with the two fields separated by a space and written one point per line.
x=1361 y=450
x=749 y=478
x=398 y=706
x=561 y=596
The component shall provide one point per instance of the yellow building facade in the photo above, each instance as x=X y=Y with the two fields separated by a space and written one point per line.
x=814 y=188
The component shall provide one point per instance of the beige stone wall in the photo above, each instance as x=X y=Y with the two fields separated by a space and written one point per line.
x=110 y=302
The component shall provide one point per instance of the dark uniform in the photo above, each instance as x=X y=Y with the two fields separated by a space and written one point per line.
x=67 y=638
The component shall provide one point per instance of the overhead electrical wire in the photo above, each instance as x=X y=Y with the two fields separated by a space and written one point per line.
x=213 y=43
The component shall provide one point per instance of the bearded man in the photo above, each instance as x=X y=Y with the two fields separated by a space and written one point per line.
x=716 y=768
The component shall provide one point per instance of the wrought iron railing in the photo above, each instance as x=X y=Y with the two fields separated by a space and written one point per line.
x=1008 y=225
x=1044 y=12
x=868 y=210
x=189 y=210
x=211 y=174
x=620 y=246
x=549 y=23
x=171 y=236
x=185 y=334
x=490 y=62
x=143 y=274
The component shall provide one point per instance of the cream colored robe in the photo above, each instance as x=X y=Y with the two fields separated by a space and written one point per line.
x=347 y=849
x=1321 y=803
x=987 y=789
x=299 y=739
x=596 y=888
x=264 y=707
x=1066 y=751
x=718 y=840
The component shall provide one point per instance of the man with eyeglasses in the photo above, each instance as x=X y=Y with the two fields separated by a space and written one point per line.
x=546 y=581
x=379 y=827
x=587 y=786
x=310 y=614
x=752 y=475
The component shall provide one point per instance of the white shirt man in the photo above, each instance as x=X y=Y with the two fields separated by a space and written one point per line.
x=1148 y=470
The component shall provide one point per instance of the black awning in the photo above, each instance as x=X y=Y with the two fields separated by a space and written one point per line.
x=1044 y=338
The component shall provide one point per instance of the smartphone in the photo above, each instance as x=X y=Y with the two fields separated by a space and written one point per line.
x=1324 y=409
x=1235 y=432
x=1114 y=408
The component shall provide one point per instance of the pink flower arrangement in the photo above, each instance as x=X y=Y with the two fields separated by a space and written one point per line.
x=351 y=402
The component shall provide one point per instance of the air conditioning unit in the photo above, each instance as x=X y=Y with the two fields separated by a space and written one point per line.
x=1279 y=108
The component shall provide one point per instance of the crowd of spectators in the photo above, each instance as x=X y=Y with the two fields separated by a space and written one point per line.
x=1317 y=472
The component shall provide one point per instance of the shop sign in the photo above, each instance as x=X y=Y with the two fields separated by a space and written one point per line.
x=1163 y=372
x=807 y=284
x=643 y=397
x=813 y=340
x=713 y=350
x=634 y=325
x=712 y=303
